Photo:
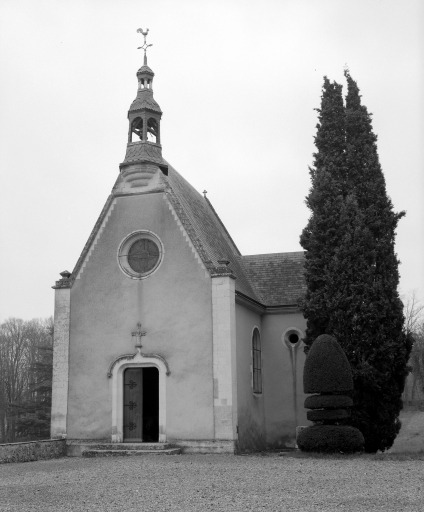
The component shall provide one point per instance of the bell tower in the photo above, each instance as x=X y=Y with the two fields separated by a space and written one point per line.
x=144 y=114
x=143 y=157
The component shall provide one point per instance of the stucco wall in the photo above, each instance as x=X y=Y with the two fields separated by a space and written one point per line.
x=282 y=412
x=251 y=412
x=174 y=307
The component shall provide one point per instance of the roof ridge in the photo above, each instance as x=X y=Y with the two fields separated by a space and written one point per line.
x=223 y=226
x=273 y=254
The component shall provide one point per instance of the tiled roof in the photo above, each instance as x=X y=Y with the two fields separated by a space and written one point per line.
x=145 y=99
x=145 y=69
x=205 y=229
x=139 y=151
x=278 y=278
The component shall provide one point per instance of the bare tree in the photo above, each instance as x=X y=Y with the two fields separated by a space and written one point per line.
x=414 y=313
x=414 y=324
x=35 y=409
x=14 y=363
x=25 y=362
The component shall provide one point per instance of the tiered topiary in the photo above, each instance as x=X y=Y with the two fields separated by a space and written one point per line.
x=327 y=374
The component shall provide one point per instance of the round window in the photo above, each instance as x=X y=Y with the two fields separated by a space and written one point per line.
x=140 y=254
x=292 y=337
x=143 y=255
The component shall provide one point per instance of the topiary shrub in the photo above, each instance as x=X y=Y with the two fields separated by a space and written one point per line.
x=328 y=401
x=328 y=415
x=330 y=439
x=327 y=371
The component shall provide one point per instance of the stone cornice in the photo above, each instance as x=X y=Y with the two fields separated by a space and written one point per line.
x=249 y=303
x=253 y=305
x=62 y=283
x=65 y=282
x=221 y=272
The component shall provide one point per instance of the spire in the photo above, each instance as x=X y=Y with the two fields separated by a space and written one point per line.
x=144 y=116
x=145 y=74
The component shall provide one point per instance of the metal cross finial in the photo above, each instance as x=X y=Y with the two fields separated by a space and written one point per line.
x=145 y=45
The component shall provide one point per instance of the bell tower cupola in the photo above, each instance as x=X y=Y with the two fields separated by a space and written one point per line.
x=144 y=151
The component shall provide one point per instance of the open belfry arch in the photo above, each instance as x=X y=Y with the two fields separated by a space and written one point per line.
x=153 y=327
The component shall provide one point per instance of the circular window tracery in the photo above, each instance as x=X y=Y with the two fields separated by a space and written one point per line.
x=143 y=255
x=140 y=254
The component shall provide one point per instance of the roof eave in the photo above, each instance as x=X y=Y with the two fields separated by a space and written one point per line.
x=256 y=306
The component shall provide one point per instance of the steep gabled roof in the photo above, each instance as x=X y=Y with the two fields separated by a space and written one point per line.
x=206 y=231
x=268 y=279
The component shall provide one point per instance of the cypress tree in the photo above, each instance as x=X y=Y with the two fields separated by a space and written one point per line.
x=325 y=200
x=357 y=301
x=380 y=348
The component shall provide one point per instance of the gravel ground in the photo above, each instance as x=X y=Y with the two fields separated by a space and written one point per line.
x=214 y=482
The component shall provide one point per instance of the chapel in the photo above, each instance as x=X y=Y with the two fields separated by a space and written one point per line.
x=164 y=332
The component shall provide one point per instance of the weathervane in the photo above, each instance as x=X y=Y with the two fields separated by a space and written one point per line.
x=145 y=45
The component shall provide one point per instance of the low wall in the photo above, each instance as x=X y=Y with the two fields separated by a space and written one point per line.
x=32 y=450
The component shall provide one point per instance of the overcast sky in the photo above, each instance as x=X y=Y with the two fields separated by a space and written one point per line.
x=237 y=80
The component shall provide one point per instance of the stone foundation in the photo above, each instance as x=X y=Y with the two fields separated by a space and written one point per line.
x=218 y=446
x=32 y=450
x=76 y=447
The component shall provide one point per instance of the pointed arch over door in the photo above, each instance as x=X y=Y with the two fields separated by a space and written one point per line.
x=116 y=374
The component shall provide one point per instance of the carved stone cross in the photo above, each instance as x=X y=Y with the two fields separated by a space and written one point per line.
x=138 y=334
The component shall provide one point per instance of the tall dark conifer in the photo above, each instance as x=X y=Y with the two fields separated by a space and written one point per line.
x=379 y=349
x=357 y=299
x=325 y=200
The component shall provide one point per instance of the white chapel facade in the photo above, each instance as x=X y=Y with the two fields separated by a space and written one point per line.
x=164 y=332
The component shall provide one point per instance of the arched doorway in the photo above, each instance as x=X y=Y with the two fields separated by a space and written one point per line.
x=149 y=372
x=141 y=405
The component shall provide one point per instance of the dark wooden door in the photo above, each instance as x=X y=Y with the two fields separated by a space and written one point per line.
x=150 y=405
x=133 y=405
